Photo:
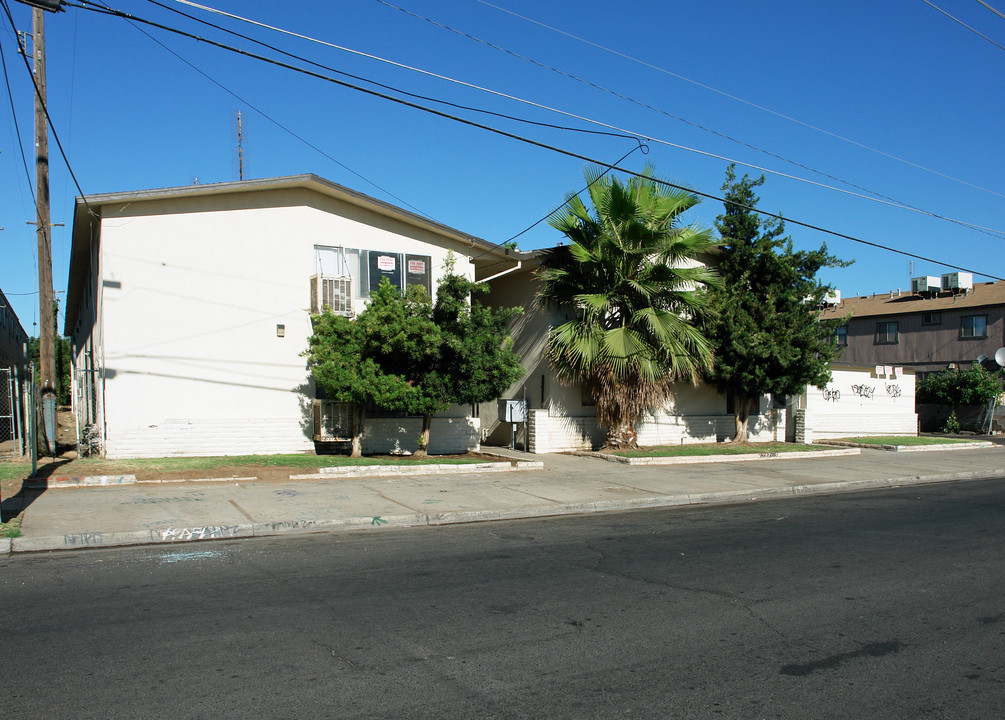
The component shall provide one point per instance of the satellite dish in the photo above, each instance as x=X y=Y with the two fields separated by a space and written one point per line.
x=987 y=363
x=1000 y=356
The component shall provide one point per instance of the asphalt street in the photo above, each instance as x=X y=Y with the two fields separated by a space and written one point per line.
x=881 y=604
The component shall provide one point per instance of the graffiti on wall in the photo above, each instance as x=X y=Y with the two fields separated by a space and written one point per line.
x=864 y=391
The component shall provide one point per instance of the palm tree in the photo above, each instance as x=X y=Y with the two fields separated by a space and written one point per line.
x=637 y=291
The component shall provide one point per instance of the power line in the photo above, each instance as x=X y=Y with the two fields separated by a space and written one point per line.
x=968 y=27
x=520 y=138
x=892 y=201
x=996 y=12
x=642 y=147
x=872 y=197
x=48 y=118
x=739 y=99
x=630 y=99
x=426 y=98
x=13 y=110
x=279 y=124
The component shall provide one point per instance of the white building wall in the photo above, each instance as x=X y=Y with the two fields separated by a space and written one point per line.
x=193 y=295
x=558 y=432
x=859 y=401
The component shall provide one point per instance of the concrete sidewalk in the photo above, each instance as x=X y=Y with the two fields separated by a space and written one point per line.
x=85 y=517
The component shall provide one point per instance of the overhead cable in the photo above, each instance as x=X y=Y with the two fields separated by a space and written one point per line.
x=13 y=111
x=519 y=138
x=872 y=197
x=48 y=118
x=968 y=27
x=739 y=99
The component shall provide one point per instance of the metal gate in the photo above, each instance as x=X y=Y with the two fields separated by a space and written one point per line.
x=8 y=414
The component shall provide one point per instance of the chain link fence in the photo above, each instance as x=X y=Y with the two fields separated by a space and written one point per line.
x=10 y=432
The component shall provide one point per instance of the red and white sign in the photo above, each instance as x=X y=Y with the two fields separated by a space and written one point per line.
x=416 y=267
x=385 y=263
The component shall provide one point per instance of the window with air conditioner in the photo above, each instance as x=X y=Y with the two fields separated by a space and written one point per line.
x=335 y=282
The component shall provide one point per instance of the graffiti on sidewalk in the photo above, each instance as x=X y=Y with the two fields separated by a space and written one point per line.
x=205 y=532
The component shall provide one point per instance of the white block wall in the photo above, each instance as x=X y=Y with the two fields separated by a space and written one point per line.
x=446 y=435
x=202 y=437
x=557 y=433
x=859 y=402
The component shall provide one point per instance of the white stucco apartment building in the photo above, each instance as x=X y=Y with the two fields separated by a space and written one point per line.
x=562 y=418
x=189 y=309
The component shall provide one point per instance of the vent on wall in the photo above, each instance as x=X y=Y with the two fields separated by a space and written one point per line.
x=331 y=292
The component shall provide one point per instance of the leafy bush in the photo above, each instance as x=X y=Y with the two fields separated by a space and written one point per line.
x=973 y=386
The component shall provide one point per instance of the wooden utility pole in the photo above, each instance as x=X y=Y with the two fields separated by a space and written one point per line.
x=46 y=324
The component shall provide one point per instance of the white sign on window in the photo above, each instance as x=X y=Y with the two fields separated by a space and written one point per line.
x=385 y=263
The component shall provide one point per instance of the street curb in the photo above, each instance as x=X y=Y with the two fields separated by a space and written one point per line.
x=174 y=536
x=913 y=448
x=207 y=480
x=366 y=471
x=53 y=483
x=701 y=459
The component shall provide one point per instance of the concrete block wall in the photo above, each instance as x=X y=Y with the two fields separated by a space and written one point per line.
x=202 y=437
x=446 y=435
x=550 y=433
x=828 y=426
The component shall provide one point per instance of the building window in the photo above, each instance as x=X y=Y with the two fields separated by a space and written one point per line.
x=974 y=326
x=934 y=318
x=840 y=336
x=886 y=333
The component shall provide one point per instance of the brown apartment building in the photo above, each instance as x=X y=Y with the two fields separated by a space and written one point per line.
x=926 y=331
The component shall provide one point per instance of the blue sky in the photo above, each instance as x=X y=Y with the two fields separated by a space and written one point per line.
x=892 y=100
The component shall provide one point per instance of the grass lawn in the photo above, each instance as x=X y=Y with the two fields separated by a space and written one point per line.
x=906 y=440
x=13 y=473
x=11 y=528
x=717 y=449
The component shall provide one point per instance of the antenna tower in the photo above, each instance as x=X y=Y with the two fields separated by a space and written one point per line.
x=240 y=153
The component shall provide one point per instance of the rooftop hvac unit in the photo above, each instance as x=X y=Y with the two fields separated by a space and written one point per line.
x=332 y=421
x=958 y=281
x=926 y=284
x=332 y=292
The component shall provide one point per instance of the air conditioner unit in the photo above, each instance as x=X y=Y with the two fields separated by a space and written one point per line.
x=332 y=292
x=958 y=281
x=332 y=421
x=926 y=284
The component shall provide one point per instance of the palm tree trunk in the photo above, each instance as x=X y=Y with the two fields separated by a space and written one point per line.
x=622 y=437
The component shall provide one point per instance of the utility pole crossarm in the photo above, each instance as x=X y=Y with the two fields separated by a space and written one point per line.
x=50 y=5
